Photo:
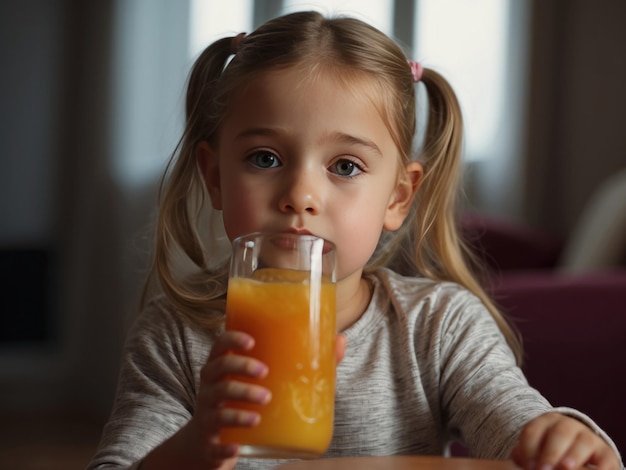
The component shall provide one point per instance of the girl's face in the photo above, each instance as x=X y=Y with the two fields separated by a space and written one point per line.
x=308 y=156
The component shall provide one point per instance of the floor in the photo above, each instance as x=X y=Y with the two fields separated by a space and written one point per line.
x=55 y=441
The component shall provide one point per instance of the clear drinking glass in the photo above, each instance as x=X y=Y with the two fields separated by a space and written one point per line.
x=281 y=291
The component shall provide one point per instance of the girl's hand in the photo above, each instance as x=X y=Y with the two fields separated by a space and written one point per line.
x=218 y=385
x=216 y=388
x=556 y=441
x=340 y=348
x=197 y=445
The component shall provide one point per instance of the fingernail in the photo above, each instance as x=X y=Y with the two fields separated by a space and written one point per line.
x=259 y=370
x=252 y=419
x=247 y=342
x=264 y=396
x=547 y=466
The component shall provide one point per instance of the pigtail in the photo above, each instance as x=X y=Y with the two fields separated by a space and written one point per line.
x=179 y=267
x=182 y=177
x=441 y=155
x=441 y=253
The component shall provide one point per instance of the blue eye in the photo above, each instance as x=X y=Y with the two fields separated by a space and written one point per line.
x=264 y=159
x=346 y=168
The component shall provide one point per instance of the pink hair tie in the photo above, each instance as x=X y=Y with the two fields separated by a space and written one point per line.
x=235 y=43
x=416 y=70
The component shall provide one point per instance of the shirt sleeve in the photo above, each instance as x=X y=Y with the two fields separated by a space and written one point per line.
x=155 y=395
x=486 y=399
x=486 y=396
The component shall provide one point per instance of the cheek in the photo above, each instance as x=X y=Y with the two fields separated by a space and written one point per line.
x=358 y=240
x=241 y=213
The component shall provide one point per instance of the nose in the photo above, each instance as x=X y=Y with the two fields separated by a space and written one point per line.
x=301 y=193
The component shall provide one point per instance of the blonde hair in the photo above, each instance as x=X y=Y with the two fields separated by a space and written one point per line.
x=428 y=244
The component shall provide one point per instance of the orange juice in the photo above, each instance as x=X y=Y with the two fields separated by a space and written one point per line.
x=294 y=332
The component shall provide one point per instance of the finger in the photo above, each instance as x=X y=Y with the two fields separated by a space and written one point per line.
x=218 y=418
x=215 y=454
x=522 y=458
x=563 y=435
x=341 y=344
x=589 y=449
x=212 y=419
x=232 y=364
x=578 y=454
x=605 y=458
x=232 y=390
x=231 y=341
x=205 y=442
x=530 y=441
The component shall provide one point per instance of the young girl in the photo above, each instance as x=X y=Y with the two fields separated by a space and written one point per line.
x=310 y=128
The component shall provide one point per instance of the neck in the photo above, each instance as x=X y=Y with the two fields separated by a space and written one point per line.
x=353 y=297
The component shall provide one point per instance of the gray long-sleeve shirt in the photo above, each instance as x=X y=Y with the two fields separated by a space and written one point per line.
x=425 y=364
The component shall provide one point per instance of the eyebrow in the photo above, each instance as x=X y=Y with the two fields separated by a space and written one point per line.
x=340 y=137
x=354 y=140
x=256 y=131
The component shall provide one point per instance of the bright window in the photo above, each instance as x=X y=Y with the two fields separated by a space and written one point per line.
x=467 y=43
x=211 y=20
x=377 y=13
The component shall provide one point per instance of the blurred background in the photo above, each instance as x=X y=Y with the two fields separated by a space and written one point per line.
x=91 y=108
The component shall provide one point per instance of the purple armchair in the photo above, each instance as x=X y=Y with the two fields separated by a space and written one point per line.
x=573 y=326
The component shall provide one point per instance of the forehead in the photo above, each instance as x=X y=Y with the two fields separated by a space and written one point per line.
x=317 y=87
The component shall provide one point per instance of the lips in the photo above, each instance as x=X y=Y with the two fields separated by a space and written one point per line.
x=299 y=231
x=287 y=242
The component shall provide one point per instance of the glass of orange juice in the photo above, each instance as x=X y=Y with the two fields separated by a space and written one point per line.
x=281 y=291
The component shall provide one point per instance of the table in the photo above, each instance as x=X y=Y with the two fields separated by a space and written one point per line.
x=400 y=463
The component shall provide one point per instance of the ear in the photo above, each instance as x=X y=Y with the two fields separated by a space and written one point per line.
x=208 y=163
x=402 y=197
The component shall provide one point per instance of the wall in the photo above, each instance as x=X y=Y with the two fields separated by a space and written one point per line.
x=58 y=196
x=576 y=135
x=63 y=187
